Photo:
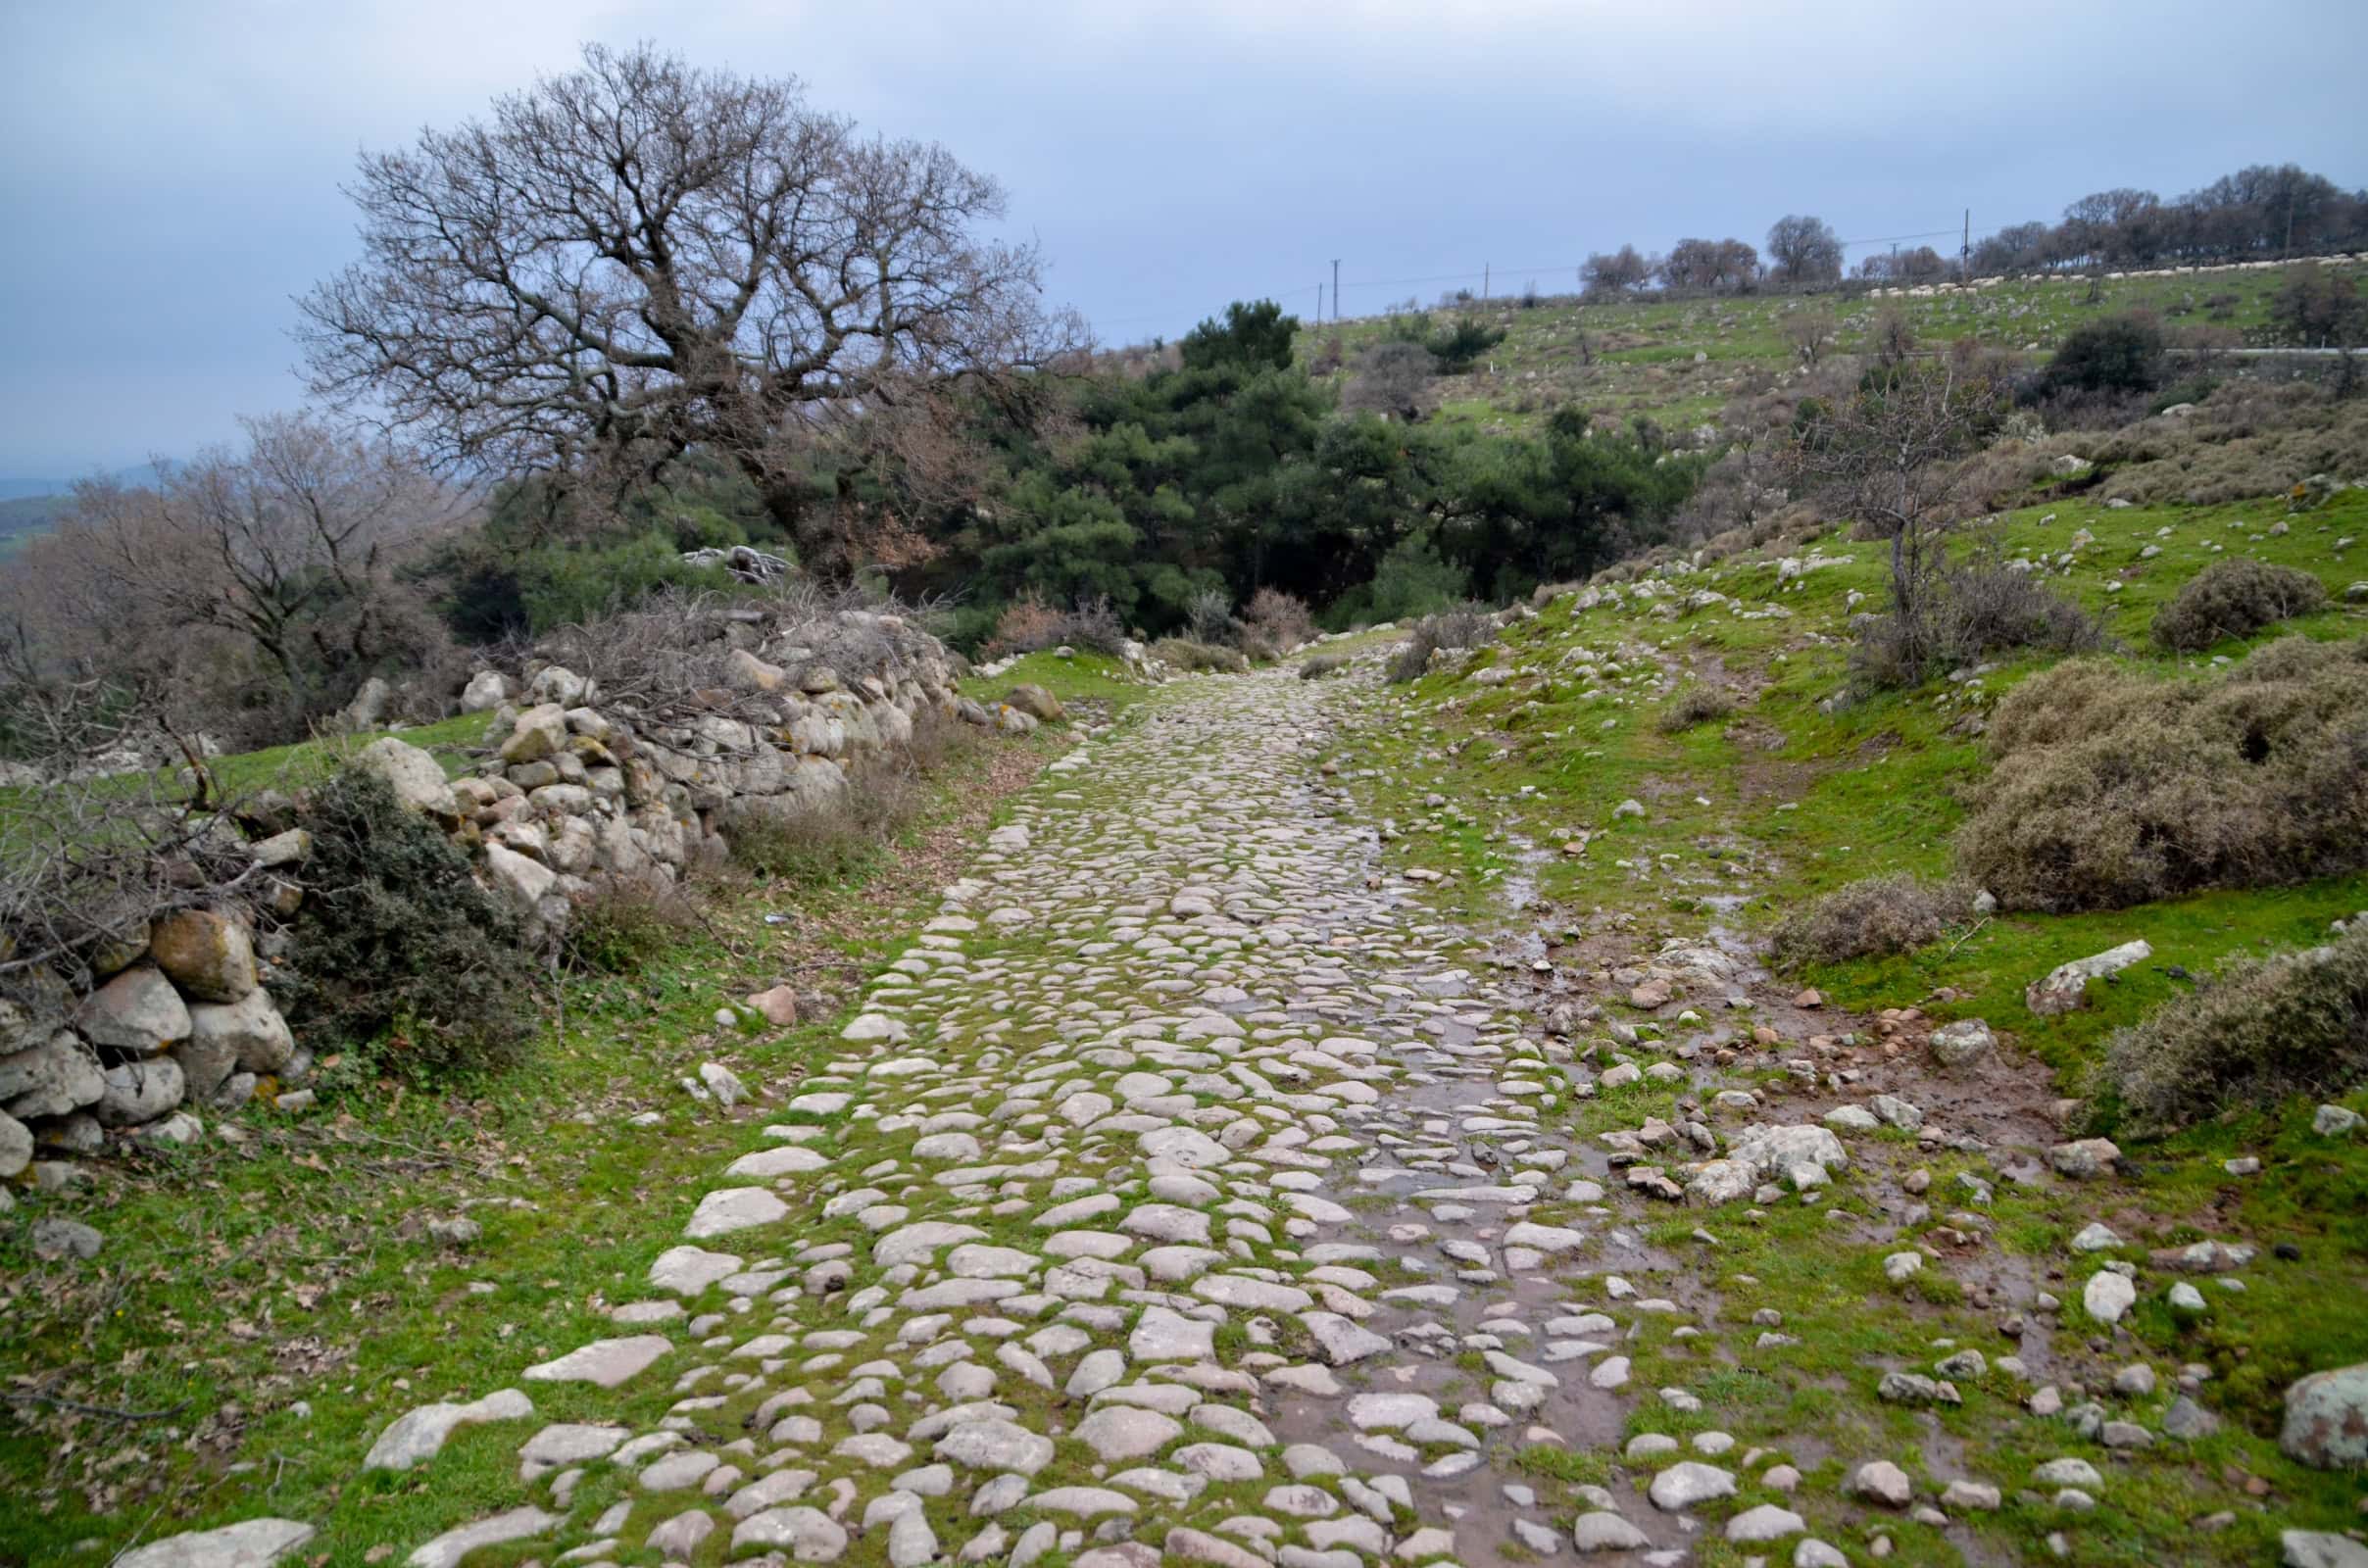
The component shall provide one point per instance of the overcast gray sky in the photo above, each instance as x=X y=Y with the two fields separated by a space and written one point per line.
x=171 y=169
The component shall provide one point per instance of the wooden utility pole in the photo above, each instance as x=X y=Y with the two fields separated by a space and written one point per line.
x=1965 y=251
x=1336 y=288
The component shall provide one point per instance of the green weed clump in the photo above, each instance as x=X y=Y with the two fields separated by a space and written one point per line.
x=2235 y=598
x=2295 y=1024
x=2113 y=788
x=402 y=960
x=1870 y=918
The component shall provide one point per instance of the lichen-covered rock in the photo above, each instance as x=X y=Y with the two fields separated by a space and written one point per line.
x=207 y=954
x=1035 y=702
x=523 y=882
x=2327 y=1420
x=538 y=732
x=138 y=1012
x=417 y=778
x=1963 y=1042
x=250 y=1029
x=487 y=690
x=59 y=1075
x=34 y=1004
x=140 y=1092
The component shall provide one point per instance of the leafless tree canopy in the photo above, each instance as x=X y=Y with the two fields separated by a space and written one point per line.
x=1803 y=250
x=1617 y=272
x=256 y=578
x=640 y=257
x=1709 y=266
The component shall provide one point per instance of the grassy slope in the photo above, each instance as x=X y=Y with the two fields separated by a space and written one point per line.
x=1090 y=677
x=270 y=1306
x=1748 y=815
x=1645 y=351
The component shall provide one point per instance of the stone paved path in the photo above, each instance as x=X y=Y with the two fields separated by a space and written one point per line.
x=1154 y=1196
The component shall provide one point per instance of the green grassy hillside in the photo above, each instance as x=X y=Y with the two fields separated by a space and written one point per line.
x=1680 y=362
x=1507 y=774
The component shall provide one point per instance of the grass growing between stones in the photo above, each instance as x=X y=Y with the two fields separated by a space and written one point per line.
x=1516 y=787
x=261 y=1311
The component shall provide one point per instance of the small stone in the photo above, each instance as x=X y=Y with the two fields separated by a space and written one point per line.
x=2107 y=1296
x=1879 y=1481
x=249 y=1543
x=1687 y=1483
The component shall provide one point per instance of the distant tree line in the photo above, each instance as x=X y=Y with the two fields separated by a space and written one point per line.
x=2258 y=214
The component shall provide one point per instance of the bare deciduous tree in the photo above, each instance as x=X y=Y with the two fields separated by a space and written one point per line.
x=283 y=549
x=639 y=257
x=1887 y=455
x=1810 y=333
x=1622 y=272
x=1805 y=249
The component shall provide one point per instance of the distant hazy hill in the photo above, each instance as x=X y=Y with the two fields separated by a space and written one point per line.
x=24 y=517
x=31 y=507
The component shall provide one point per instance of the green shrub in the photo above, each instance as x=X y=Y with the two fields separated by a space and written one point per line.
x=2120 y=354
x=2114 y=788
x=401 y=958
x=1871 y=918
x=1413 y=579
x=2295 y=1024
x=1200 y=657
x=2235 y=596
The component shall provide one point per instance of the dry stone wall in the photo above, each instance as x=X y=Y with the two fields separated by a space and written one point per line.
x=576 y=788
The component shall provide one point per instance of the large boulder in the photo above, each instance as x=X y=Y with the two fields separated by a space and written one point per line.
x=539 y=732
x=34 y=1003
x=2066 y=986
x=1035 y=702
x=1963 y=1042
x=2327 y=1420
x=417 y=778
x=487 y=690
x=749 y=673
x=556 y=683
x=50 y=1079
x=140 y=1091
x=1774 y=1152
x=138 y=1012
x=368 y=709
x=249 y=1032
x=204 y=953
x=523 y=882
